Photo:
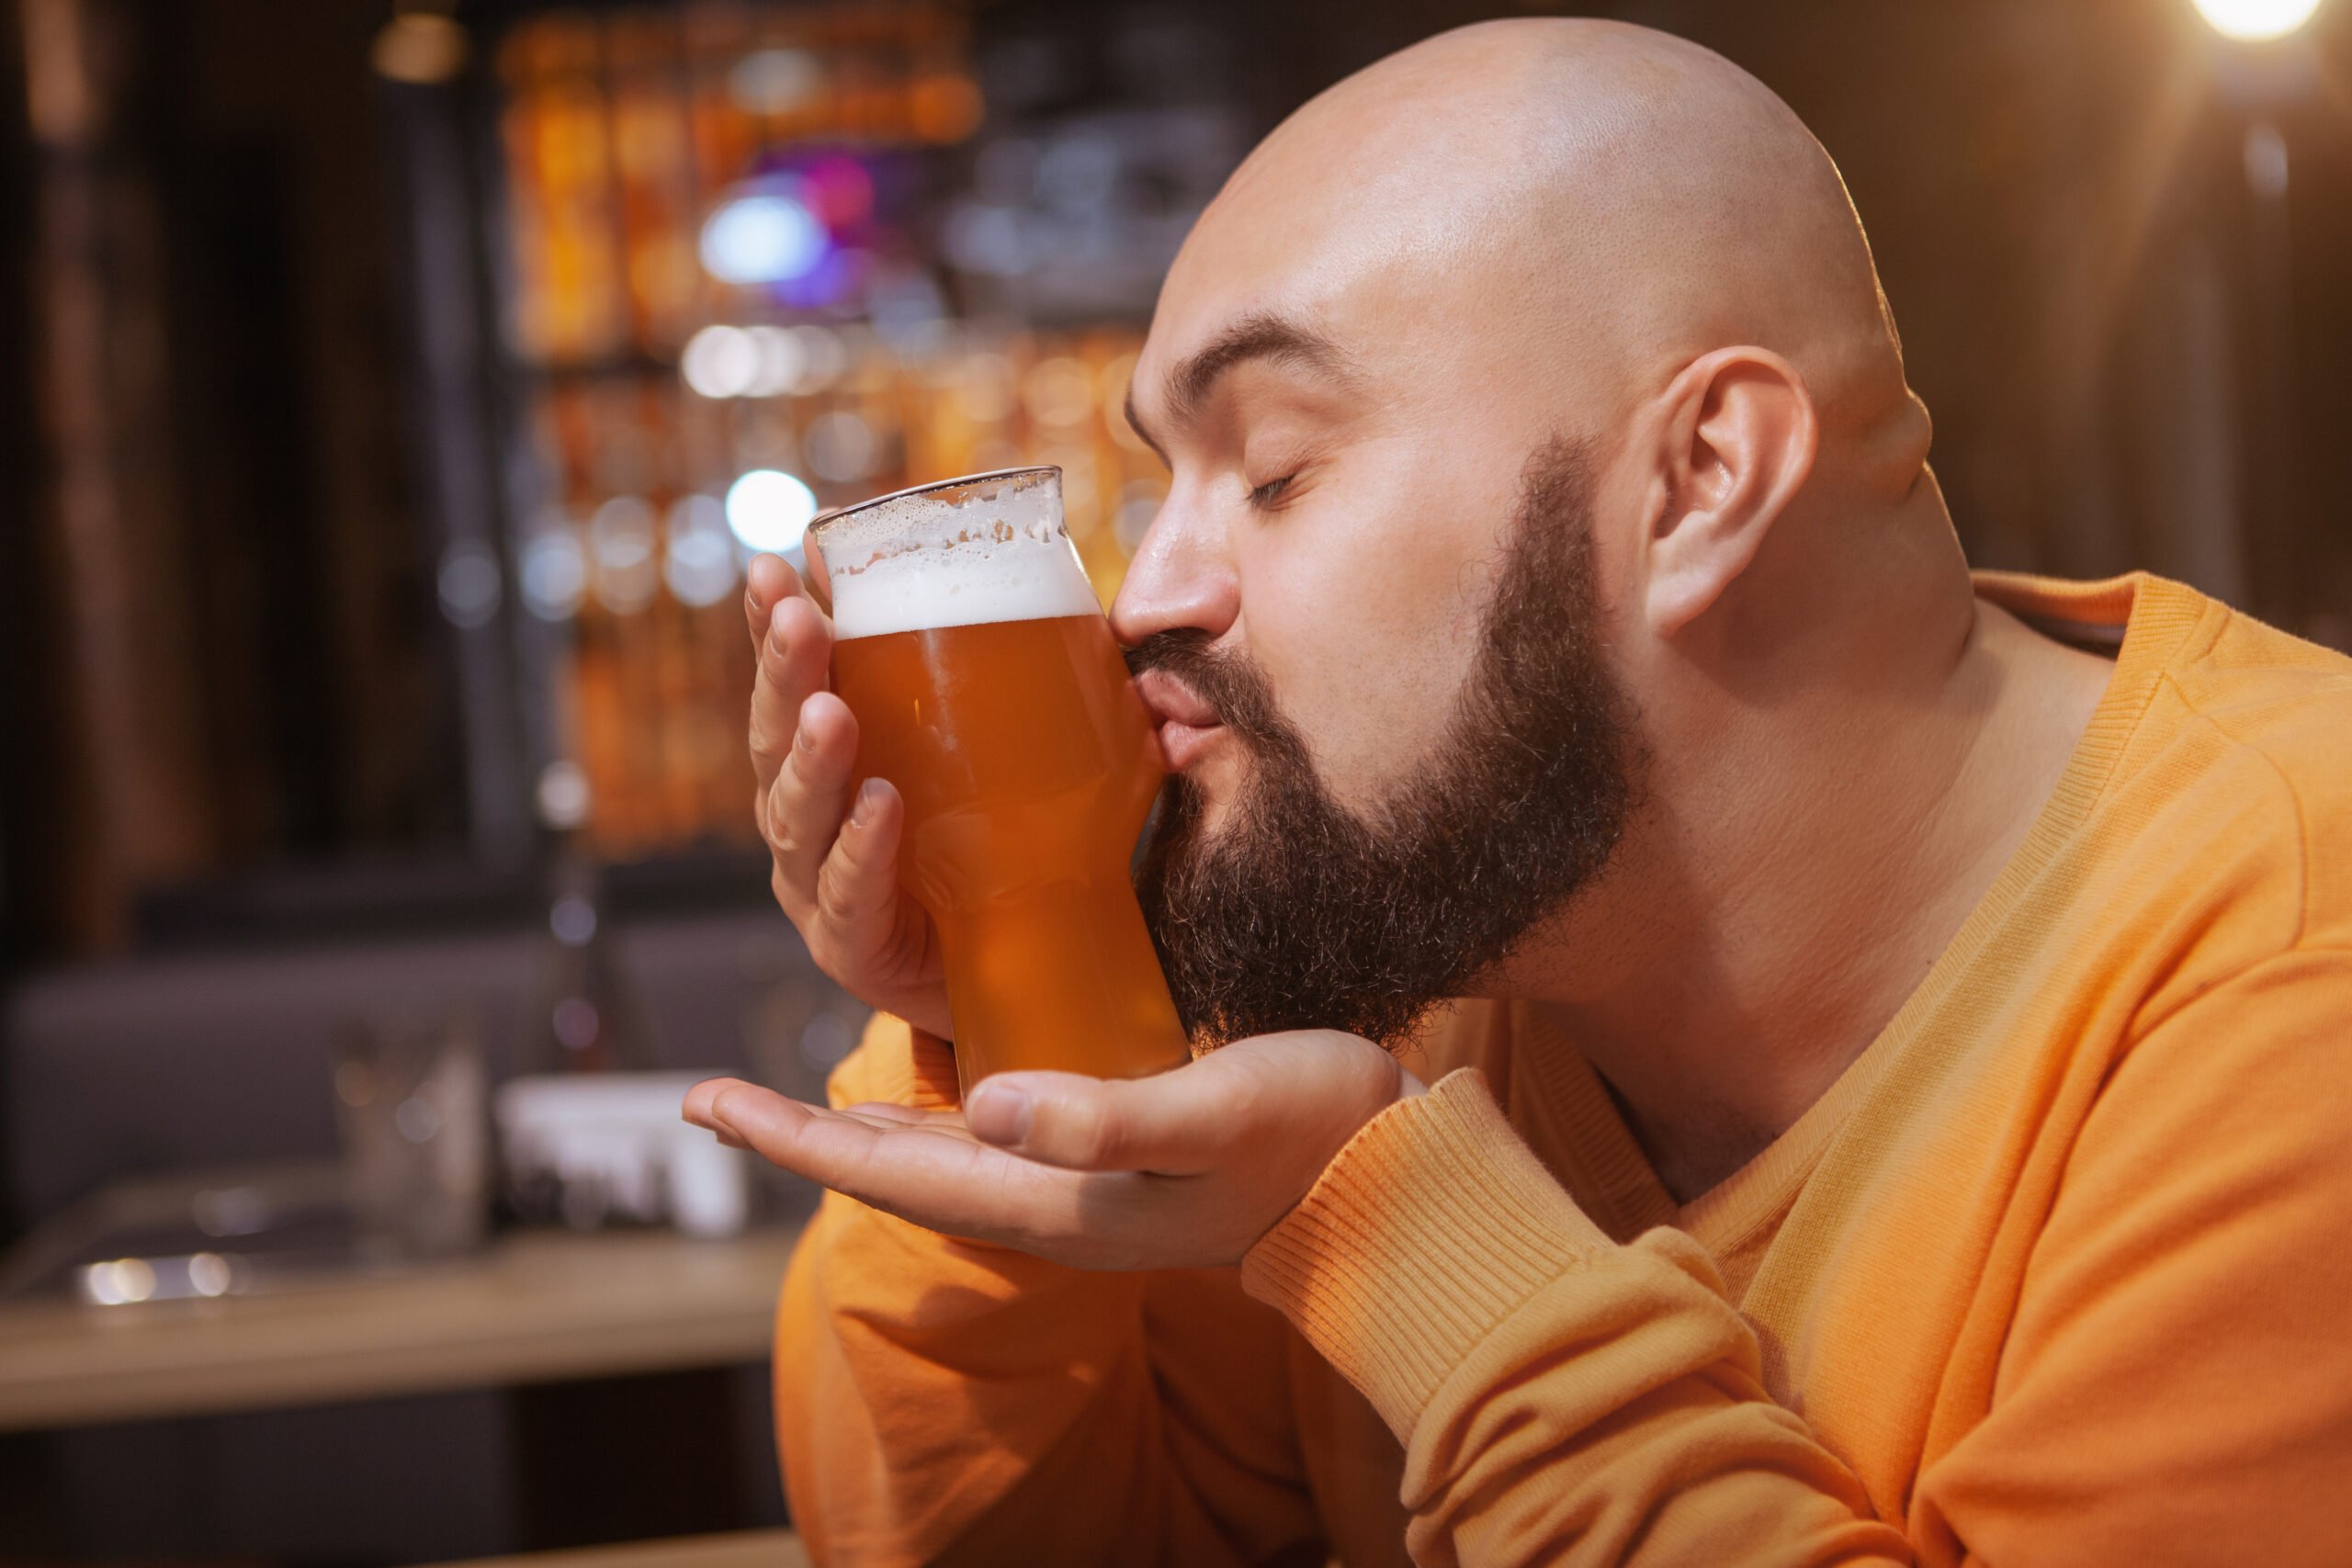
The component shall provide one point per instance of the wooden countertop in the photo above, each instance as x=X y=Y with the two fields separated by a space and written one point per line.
x=534 y=1307
x=742 y=1548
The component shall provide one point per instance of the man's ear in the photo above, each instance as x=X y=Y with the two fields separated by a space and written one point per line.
x=1735 y=441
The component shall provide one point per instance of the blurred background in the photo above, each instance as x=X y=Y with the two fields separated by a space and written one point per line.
x=390 y=394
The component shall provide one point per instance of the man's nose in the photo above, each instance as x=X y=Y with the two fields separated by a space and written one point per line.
x=1181 y=579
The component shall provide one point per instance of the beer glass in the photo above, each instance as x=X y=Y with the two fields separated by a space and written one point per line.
x=988 y=691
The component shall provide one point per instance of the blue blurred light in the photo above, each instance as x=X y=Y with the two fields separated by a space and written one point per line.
x=764 y=237
x=769 y=509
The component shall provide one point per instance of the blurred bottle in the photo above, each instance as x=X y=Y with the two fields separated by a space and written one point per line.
x=587 y=1020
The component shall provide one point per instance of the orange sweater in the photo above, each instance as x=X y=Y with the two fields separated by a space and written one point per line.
x=2058 y=1272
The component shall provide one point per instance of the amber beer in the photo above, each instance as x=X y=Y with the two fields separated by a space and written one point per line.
x=988 y=691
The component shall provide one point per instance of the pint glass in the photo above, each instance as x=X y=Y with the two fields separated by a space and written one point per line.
x=988 y=691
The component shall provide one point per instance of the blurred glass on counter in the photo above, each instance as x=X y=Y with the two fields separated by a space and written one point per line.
x=411 y=1102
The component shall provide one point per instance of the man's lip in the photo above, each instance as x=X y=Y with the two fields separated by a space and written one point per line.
x=1181 y=744
x=1173 y=703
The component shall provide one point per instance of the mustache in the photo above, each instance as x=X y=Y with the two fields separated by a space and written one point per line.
x=1233 y=686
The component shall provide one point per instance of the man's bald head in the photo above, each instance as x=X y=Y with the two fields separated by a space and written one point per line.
x=1530 y=405
x=1550 y=568
x=1603 y=190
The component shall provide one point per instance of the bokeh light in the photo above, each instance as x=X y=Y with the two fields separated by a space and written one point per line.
x=699 y=562
x=824 y=358
x=621 y=543
x=764 y=236
x=775 y=81
x=769 y=509
x=839 y=190
x=119 y=1282
x=2254 y=21
x=1139 y=502
x=554 y=572
x=841 y=447
x=468 y=584
x=1059 y=391
x=780 y=358
x=984 y=389
x=420 y=48
x=2265 y=151
x=988 y=241
x=209 y=1274
x=563 y=797
x=720 y=362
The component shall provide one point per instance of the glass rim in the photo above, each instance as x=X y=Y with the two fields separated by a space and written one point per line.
x=824 y=520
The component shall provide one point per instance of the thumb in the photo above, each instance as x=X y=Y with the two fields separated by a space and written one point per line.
x=1311 y=1085
x=1173 y=1124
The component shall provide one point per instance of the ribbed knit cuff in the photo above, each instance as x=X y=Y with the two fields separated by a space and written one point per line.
x=1431 y=1227
x=896 y=1063
x=935 y=1086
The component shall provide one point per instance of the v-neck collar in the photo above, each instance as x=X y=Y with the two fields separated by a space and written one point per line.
x=1568 y=1114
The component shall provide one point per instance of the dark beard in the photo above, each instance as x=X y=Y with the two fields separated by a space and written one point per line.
x=1302 y=915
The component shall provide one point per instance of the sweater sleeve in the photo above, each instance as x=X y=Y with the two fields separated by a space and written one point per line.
x=2176 y=1385
x=1562 y=1399
x=942 y=1401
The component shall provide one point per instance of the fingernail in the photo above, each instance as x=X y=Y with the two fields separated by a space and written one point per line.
x=718 y=1113
x=869 y=797
x=998 y=1112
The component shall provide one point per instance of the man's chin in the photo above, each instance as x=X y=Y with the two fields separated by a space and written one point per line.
x=1215 y=821
x=1211 y=791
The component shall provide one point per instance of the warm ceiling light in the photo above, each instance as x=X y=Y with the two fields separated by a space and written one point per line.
x=421 y=48
x=2256 y=21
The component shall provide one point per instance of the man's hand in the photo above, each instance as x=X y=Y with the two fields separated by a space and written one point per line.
x=1187 y=1169
x=836 y=860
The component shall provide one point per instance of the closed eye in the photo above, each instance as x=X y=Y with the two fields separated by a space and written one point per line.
x=1266 y=494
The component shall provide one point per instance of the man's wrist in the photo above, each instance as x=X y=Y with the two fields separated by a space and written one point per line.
x=1428 y=1227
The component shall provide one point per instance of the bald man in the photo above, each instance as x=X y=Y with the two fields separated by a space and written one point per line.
x=1735 y=1042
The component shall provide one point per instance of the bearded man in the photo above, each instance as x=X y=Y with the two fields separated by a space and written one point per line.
x=1736 y=1042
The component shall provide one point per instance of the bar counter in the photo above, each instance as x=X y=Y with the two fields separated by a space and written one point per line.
x=533 y=1307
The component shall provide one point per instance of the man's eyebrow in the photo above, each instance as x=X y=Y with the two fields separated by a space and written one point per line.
x=1261 y=335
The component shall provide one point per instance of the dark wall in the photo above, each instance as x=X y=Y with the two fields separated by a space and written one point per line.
x=314 y=606
x=30 y=705
x=263 y=657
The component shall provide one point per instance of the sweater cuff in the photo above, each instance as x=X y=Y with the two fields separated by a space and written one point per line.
x=1432 y=1226
x=896 y=1063
x=933 y=1085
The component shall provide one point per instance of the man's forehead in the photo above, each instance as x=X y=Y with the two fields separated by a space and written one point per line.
x=1342 y=260
x=1326 y=313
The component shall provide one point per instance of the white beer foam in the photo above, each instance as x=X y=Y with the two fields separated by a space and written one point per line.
x=921 y=563
x=926 y=590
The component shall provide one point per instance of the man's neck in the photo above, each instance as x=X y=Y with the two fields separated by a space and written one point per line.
x=1792 y=881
